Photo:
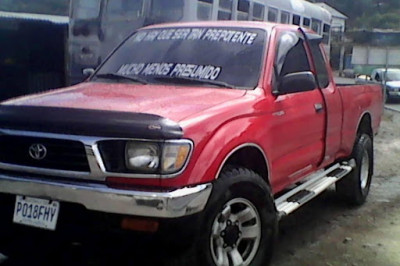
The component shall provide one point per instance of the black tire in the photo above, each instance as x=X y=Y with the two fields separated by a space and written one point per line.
x=242 y=189
x=354 y=188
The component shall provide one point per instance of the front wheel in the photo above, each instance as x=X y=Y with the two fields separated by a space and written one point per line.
x=354 y=188
x=240 y=222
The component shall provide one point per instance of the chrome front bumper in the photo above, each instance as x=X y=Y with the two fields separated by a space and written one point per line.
x=97 y=197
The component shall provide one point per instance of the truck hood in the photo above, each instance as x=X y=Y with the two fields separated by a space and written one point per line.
x=393 y=84
x=172 y=102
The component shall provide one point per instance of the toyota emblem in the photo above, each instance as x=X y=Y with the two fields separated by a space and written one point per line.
x=37 y=151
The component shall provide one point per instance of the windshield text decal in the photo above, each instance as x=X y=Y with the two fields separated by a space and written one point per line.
x=212 y=35
x=173 y=70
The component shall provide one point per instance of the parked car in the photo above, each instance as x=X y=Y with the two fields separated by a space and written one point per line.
x=207 y=131
x=389 y=78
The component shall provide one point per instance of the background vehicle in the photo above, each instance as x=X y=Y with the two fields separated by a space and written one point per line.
x=97 y=26
x=175 y=136
x=388 y=78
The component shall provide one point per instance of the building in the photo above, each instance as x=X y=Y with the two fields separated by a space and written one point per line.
x=338 y=19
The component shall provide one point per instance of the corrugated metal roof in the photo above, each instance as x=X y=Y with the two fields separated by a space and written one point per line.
x=36 y=17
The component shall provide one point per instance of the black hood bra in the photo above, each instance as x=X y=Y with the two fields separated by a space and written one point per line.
x=87 y=122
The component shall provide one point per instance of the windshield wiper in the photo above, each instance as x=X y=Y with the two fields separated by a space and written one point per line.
x=192 y=80
x=115 y=76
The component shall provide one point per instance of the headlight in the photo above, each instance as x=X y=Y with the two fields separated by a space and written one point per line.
x=142 y=156
x=156 y=157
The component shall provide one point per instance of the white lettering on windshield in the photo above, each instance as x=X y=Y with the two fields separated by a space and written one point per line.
x=196 y=71
x=231 y=36
x=131 y=69
x=213 y=35
x=159 y=69
x=207 y=72
x=181 y=34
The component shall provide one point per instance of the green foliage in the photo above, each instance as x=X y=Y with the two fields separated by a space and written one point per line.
x=52 y=7
x=369 y=14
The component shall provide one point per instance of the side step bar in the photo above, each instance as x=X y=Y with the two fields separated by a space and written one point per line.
x=315 y=185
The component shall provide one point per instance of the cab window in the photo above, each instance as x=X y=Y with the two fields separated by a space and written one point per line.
x=291 y=55
x=320 y=66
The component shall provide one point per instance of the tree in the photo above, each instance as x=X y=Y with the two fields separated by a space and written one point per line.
x=368 y=14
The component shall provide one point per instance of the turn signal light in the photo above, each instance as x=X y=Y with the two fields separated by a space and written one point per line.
x=141 y=225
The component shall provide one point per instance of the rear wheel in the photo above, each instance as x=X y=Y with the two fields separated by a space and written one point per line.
x=354 y=188
x=240 y=222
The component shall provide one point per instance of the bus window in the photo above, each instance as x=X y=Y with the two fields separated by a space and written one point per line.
x=166 y=11
x=285 y=17
x=225 y=10
x=243 y=10
x=272 y=14
x=87 y=9
x=204 y=8
x=316 y=26
x=325 y=33
x=296 y=20
x=258 y=12
x=124 y=9
x=306 y=22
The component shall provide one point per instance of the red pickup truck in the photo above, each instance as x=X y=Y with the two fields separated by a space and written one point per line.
x=228 y=125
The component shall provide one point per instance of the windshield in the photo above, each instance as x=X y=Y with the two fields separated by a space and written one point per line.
x=229 y=56
x=392 y=75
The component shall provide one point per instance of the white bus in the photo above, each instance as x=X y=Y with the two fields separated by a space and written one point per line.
x=97 y=26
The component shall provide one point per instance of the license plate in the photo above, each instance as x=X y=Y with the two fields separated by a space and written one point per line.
x=36 y=212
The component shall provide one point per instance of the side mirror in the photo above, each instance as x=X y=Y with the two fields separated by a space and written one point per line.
x=87 y=72
x=296 y=82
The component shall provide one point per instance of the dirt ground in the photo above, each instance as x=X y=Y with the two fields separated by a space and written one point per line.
x=328 y=232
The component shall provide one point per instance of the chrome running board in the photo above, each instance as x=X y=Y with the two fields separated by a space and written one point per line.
x=313 y=186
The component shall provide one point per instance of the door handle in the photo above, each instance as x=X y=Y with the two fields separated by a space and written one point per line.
x=318 y=107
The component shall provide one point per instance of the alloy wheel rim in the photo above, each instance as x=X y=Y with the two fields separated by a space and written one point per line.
x=236 y=233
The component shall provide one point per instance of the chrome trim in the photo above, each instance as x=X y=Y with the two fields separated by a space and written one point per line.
x=164 y=176
x=240 y=147
x=97 y=197
x=35 y=170
x=98 y=171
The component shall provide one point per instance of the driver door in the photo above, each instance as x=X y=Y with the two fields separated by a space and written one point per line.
x=299 y=118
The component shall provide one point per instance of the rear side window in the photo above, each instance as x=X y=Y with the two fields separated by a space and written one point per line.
x=325 y=33
x=322 y=72
x=285 y=17
x=258 y=12
x=296 y=20
x=272 y=14
x=306 y=22
x=225 y=10
x=243 y=10
x=316 y=26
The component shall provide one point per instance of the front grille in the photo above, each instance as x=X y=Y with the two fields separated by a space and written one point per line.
x=61 y=154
